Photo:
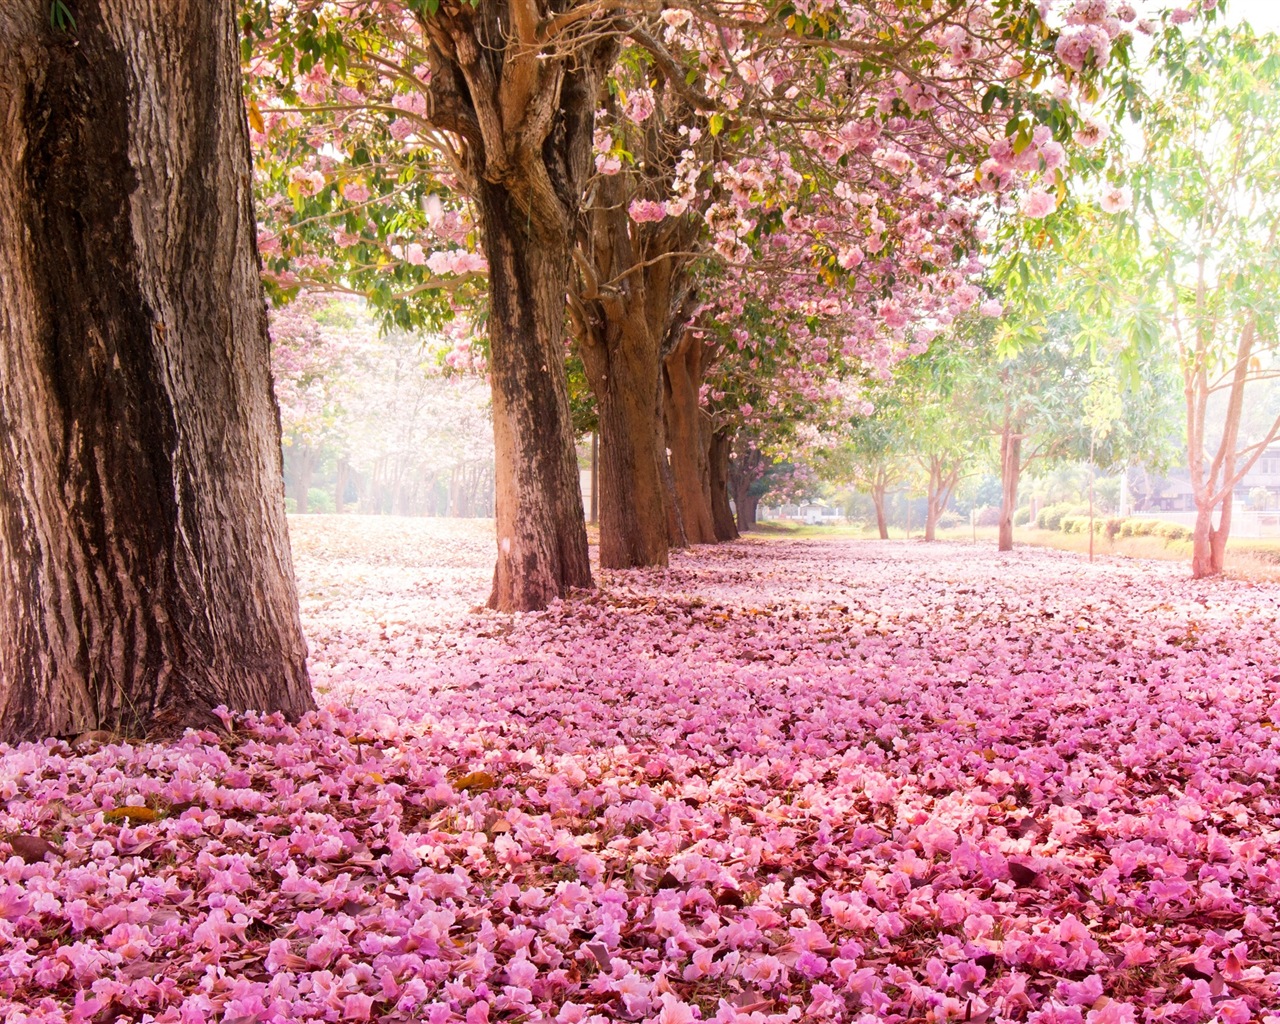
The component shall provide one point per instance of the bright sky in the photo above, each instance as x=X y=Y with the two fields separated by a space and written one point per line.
x=1263 y=15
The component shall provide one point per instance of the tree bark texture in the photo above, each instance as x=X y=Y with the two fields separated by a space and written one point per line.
x=746 y=468
x=145 y=571
x=626 y=304
x=623 y=369
x=689 y=437
x=524 y=114
x=718 y=463
x=1010 y=472
x=542 y=536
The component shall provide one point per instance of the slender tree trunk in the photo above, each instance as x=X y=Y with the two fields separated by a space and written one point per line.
x=718 y=464
x=1010 y=471
x=340 y=487
x=686 y=437
x=542 y=535
x=932 y=511
x=304 y=461
x=882 y=521
x=145 y=572
x=595 y=476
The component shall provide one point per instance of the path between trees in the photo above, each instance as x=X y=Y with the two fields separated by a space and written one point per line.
x=779 y=780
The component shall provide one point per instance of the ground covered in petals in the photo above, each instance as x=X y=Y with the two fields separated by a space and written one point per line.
x=780 y=781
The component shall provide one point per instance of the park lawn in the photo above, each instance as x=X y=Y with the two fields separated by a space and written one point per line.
x=781 y=780
x=1247 y=558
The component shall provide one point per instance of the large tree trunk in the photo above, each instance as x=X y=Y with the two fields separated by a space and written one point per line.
x=1010 y=471
x=676 y=535
x=542 y=534
x=145 y=572
x=718 y=463
x=624 y=371
x=746 y=504
x=688 y=438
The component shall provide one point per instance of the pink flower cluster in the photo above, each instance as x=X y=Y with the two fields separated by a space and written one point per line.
x=776 y=782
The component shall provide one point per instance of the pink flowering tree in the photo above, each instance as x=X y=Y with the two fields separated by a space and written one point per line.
x=624 y=149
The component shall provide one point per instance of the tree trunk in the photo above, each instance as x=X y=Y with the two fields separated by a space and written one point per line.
x=932 y=511
x=882 y=521
x=676 y=535
x=682 y=377
x=542 y=534
x=595 y=477
x=145 y=571
x=624 y=371
x=747 y=505
x=340 y=487
x=1010 y=471
x=303 y=466
x=718 y=463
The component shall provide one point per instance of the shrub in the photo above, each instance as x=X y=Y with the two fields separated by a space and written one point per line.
x=988 y=515
x=1050 y=517
x=1022 y=516
x=949 y=521
x=319 y=501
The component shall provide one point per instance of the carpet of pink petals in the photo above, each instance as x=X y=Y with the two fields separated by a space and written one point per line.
x=780 y=781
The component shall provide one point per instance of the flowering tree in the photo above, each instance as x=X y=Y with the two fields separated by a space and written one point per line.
x=628 y=143
x=1194 y=266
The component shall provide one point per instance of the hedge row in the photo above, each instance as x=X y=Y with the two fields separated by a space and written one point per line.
x=1111 y=527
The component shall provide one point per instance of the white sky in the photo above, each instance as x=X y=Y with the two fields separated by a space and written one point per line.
x=1263 y=15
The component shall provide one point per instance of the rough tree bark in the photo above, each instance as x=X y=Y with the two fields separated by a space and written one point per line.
x=542 y=536
x=522 y=107
x=689 y=437
x=145 y=571
x=718 y=463
x=626 y=304
x=620 y=353
x=745 y=469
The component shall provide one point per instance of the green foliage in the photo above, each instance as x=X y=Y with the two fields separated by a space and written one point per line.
x=60 y=16
x=1050 y=517
x=319 y=501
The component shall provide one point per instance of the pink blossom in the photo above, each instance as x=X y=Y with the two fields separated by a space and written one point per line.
x=1117 y=199
x=645 y=210
x=1038 y=203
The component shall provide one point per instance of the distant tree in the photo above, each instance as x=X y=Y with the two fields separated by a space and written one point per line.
x=1197 y=267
